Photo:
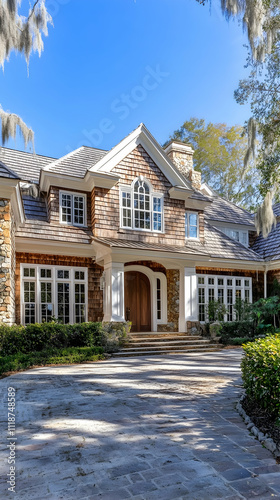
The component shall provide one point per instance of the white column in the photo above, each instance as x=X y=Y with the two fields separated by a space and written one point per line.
x=191 y=294
x=114 y=292
x=182 y=302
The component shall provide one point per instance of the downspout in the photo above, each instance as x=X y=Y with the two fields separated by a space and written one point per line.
x=265 y=282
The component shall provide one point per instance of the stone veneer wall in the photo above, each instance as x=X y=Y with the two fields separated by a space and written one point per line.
x=95 y=295
x=7 y=263
x=173 y=285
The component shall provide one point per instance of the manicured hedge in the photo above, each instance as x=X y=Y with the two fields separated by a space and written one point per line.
x=38 y=337
x=261 y=373
x=50 y=356
x=235 y=329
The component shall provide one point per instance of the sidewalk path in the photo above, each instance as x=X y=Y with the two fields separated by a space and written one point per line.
x=152 y=428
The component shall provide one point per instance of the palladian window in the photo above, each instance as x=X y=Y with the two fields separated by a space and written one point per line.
x=141 y=207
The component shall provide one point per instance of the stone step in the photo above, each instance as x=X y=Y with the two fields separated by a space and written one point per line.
x=158 y=334
x=209 y=348
x=160 y=344
x=164 y=339
x=167 y=347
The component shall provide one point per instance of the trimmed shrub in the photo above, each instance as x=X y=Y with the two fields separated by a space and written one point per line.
x=261 y=373
x=237 y=330
x=113 y=335
x=50 y=356
x=37 y=337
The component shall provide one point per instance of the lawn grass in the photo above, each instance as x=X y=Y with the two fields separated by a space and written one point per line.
x=69 y=355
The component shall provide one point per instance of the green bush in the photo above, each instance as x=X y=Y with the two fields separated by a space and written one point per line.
x=237 y=329
x=21 y=361
x=261 y=373
x=14 y=339
x=38 y=337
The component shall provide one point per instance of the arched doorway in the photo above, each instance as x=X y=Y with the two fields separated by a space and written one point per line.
x=137 y=299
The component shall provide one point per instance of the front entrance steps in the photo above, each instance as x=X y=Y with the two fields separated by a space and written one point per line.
x=155 y=343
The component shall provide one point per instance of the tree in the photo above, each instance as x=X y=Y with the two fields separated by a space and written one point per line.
x=218 y=154
x=261 y=20
x=22 y=34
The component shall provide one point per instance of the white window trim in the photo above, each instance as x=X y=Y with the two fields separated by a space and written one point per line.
x=72 y=194
x=191 y=238
x=226 y=229
x=54 y=280
x=153 y=194
x=206 y=287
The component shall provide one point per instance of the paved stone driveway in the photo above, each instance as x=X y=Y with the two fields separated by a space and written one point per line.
x=148 y=428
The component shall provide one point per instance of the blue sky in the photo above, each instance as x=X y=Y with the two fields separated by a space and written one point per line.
x=109 y=65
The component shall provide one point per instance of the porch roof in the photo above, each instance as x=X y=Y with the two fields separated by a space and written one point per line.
x=198 y=249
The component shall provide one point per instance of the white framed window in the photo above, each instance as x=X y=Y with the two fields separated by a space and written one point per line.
x=191 y=225
x=141 y=208
x=226 y=289
x=237 y=235
x=72 y=208
x=48 y=292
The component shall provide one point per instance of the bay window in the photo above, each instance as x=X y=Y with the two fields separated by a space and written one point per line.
x=48 y=292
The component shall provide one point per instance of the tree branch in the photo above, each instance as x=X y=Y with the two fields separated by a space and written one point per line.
x=32 y=11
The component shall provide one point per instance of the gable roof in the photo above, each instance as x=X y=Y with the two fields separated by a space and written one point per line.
x=6 y=172
x=26 y=166
x=141 y=135
x=225 y=211
x=77 y=162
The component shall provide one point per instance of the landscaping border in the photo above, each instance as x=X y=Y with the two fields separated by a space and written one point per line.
x=264 y=439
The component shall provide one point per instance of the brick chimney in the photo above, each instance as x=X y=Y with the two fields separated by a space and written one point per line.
x=181 y=154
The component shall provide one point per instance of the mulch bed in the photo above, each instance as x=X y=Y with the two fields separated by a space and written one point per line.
x=262 y=420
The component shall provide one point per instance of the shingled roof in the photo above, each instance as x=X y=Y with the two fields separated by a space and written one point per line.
x=225 y=211
x=220 y=245
x=269 y=248
x=26 y=166
x=216 y=245
x=6 y=172
x=140 y=245
x=77 y=162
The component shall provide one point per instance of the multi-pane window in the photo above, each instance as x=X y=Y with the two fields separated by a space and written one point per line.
x=72 y=209
x=29 y=294
x=158 y=299
x=237 y=235
x=80 y=300
x=191 y=225
x=226 y=290
x=141 y=208
x=49 y=292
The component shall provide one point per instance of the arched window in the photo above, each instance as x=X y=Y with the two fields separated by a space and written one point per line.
x=141 y=207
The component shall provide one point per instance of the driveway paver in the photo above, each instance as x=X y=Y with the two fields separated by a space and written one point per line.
x=141 y=428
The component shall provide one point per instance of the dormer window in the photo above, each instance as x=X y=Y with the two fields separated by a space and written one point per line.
x=191 y=225
x=237 y=235
x=141 y=207
x=72 y=208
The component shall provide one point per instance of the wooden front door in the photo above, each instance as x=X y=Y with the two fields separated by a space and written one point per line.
x=137 y=297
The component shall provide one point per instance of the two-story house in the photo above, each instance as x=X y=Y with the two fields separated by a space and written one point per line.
x=126 y=234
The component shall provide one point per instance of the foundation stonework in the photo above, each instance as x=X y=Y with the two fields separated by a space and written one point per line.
x=7 y=263
x=173 y=285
